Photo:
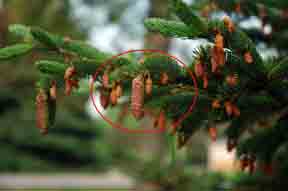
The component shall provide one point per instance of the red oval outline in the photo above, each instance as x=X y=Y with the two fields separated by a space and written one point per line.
x=145 y=131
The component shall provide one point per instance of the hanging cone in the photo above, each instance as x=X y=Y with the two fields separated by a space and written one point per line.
x=199 y=69
x=42 y=111
x=205 y=81
x=119 y=90
x=164 y=78
x=104 y=98
x=113 y=97
x=213 y=133
x=148 y=86
x=53 y=90
x=248 y=58
x=68 y=87
x=162 y=120
x=238 y=8
x=214 y=62
x=137 y=97
x=219 y=41
x=216 y=104
x=105 y=80
x=232 y=80
x=229 y=24
x=69 y=72
x=235 y=111
x=228 y=108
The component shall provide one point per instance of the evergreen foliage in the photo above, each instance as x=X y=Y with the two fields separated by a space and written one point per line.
x=236 y=84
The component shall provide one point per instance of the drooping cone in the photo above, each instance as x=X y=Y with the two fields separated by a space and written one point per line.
x=199 y=69
x=148 y=86
x=113 y=97
x=216 y=104
x=53 y=90
x=235 y=111
x=205 y=81
x=42 y=118
x=232 y=80
x=105 y=80
x=104 y=98
x=118 y=90
x=70 y=71
x=164 y=78
x=137 y=97
x=248 y=58
x=213 y=133
x=229 y=24
x=162 y=120
x=228 y=108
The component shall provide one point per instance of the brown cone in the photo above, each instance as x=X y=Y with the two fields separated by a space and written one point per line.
x=148 y=86
x=137 y=97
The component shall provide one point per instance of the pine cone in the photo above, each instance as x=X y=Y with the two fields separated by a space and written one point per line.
x=205 y=81
x=104 y=98
x=248 y=58
x=162 y=120
x=235 y=111
x=148 y=86
x=229 y=24
x=216 y=104
x=105 y=80
x=118 y=90
x=53 y=90
x=164 y=78
x=70 y=71
x=232 y=80
x=113 y=97
x=137 y=97
x=213 y=133
x=228 y=107
x=42 y=111
x=199 y=69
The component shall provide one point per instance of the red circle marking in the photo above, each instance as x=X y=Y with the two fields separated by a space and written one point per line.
x=145 y=131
